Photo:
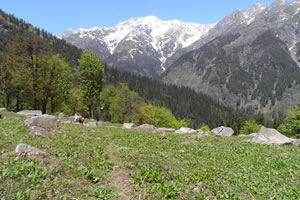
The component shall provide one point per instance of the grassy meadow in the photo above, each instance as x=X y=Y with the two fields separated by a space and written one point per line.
x=112 y=163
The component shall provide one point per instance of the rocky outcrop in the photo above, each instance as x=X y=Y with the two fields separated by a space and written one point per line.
x=271 y=136
x=223 y=131
x=46 y=121
x=30 y=112
x=24 y=150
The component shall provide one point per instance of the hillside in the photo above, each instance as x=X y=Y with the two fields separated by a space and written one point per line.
x=111 y=163
x=254 y=66
x=183 y=102
x=11 y=27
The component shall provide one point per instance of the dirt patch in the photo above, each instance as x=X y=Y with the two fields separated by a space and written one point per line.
x=120 y=179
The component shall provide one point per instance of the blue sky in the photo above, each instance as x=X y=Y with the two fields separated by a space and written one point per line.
x=56 y=16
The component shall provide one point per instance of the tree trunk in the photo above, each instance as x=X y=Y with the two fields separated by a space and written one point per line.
x=52 y=105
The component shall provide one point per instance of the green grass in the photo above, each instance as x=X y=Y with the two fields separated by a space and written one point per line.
x=82 y=157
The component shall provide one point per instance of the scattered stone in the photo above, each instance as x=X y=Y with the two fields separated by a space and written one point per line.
x=147 y=128
x=111 y=127
x=38 y=131
x=184 y=130
x=30 y=112
x=170 y=130
x=163 y=135
x=66 y=122
x=296 y=142
x=197 y=187
x=3 y=109
x=128 y=126
x=199 y=134
x=253 y=134
x=185 y=143
x=62 y=115
x=242 y=135
x=223 y=131
x=46 y=121
x=92 y=124
x=271 y=136
x=24 y=150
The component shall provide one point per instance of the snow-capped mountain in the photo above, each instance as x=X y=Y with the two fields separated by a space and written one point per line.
x=249 y=59
x=141 y=44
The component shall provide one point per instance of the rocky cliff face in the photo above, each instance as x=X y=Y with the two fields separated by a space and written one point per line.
x=254 y=64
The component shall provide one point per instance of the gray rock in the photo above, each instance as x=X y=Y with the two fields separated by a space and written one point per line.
x=3 y=109
x=30 y=112
x=184 y=130
x=223 y=131
x=163 y=135
x=166 y=130
x=271 y=136
x=128 y=126
x=147 y=128
x=24 y=150
x=200 y=131
x=46 y=121
x=242 y=135
x=38 y=131
x=66 y=122
x=62 y=115
x=185 y=143
x=92 y=124
x=111 y=127
x=296 y=142
x=253 y=134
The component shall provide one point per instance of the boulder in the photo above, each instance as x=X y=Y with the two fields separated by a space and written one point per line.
x=271 y=136
x=166 y=130
x=62 y=115
x=46 y=121
x=38 y=131
x=223 y=131
x=128 y=126
x=24 y=150
x=3 y=109
x=200 y=131
x=30 y=112
x=184 y=130
x=147 y=128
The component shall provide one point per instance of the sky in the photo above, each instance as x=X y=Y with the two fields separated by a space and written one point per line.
x=56 y=16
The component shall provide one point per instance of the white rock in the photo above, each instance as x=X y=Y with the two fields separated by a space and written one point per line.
x=184 y=130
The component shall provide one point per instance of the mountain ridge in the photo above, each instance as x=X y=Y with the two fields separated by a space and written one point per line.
x=147 y=38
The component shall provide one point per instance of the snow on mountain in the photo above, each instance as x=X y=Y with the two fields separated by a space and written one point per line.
x=152 y=36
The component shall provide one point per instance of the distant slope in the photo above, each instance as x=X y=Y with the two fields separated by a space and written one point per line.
x=183 y=101
x=10 y=27
x=254 y=66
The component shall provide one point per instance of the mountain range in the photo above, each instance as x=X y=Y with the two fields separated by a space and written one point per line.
x=248 y=59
